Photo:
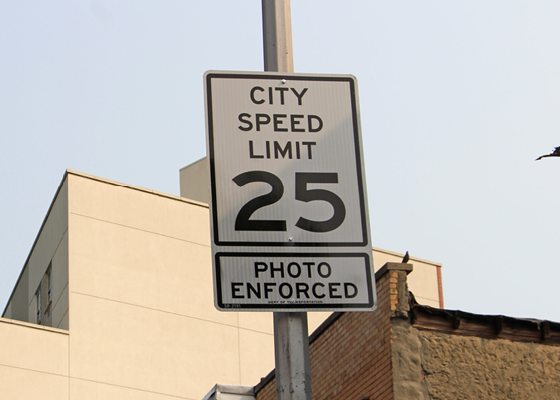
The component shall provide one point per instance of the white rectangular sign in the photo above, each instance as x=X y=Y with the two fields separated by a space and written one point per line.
x=288 y=192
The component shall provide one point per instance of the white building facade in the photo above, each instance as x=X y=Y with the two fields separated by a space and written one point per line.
x=115 y=302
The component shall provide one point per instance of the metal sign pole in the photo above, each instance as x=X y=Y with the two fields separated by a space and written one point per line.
x=291 y=340
x=291 y=351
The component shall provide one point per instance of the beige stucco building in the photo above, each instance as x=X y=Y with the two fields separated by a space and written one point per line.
x=115 y=302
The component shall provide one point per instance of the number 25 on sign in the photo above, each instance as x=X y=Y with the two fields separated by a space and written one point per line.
x=302 y=193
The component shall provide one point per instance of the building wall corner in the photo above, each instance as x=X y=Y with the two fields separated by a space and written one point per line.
x=406 y=352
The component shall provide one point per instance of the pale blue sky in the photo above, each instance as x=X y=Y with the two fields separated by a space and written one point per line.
x=457 y=100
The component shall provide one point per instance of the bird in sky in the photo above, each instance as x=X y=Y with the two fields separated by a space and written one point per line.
x=555 y=153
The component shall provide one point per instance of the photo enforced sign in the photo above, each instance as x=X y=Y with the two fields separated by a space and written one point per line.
x=313 y=281
x=287 y=192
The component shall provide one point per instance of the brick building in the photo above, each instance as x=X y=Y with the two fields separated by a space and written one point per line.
x=404 y=350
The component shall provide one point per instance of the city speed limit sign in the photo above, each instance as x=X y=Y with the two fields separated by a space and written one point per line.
x=288 y=205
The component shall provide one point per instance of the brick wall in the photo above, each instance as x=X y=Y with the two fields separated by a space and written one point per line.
x=351 y=353
x=405 y=351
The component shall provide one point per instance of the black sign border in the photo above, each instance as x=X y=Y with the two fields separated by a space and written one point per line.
x=220 y=305
x=358 y=153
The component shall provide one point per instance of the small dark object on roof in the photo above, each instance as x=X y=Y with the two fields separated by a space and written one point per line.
x=405 y=258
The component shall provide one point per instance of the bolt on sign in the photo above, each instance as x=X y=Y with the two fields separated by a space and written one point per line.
x=289 y=215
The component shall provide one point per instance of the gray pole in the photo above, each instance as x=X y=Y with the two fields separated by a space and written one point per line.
x=291 y=340
x=291 y=351
x=277 y=36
